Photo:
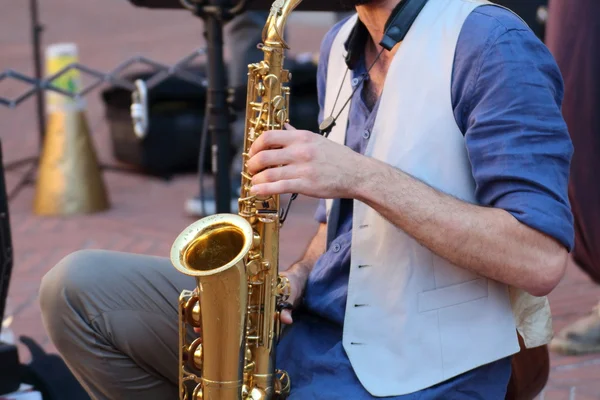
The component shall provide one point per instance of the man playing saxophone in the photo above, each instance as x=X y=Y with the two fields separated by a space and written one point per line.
x=444 y=186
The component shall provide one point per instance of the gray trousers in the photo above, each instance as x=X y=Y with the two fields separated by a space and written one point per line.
x=113 y=318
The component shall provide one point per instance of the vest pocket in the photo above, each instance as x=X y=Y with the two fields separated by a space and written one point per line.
x=453 y=295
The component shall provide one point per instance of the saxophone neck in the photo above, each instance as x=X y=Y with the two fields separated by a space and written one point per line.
x=272 y=34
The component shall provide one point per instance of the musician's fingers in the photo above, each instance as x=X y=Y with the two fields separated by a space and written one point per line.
x=286 y=317
x=277 y=174
x=281 y=187
x=269 y=158
x=270 y=139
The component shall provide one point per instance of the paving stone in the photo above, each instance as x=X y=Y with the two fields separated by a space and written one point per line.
x=570 y=393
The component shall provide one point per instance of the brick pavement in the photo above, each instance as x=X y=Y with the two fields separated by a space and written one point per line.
x=146 y=214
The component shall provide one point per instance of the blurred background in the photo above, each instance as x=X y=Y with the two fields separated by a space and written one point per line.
x=135 y=191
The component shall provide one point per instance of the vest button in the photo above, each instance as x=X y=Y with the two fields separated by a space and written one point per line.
x=336 y=247
x=366 y=134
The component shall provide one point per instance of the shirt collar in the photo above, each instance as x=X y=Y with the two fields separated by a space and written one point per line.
x=355 y=44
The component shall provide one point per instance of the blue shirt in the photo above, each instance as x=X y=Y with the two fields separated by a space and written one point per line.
x=506 y=96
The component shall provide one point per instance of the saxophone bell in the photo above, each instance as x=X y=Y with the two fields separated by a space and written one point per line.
x=213 y=250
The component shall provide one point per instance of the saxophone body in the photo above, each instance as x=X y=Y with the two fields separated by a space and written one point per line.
x=235 y=261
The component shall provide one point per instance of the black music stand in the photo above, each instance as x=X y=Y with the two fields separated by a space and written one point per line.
x=215 y=13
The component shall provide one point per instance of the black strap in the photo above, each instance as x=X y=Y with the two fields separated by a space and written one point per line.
x=402 y=18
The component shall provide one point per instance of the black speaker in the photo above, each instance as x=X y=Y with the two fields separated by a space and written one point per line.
x=176 y=112
x=6 y=254
x=9 y=358
x=176 y=118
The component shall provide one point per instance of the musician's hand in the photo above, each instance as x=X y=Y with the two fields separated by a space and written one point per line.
x=295 y=161
x=297 y=277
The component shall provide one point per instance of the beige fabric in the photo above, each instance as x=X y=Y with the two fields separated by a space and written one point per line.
x=532 y=316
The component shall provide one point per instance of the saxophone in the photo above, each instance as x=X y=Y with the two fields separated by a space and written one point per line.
x=235 y=261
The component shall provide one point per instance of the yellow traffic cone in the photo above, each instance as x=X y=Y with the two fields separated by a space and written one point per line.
x=69 y=178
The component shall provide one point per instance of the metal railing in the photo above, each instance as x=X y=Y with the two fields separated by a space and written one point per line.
x=155 y=71
x=160 y=72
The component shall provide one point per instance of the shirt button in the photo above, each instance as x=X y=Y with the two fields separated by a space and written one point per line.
x=336 y=247
x=366 y=134
x=354 y=81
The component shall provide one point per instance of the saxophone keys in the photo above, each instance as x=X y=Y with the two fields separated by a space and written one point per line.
x=270 y=81
x=281 y=116
x=261 y=89
x=198 y=393
x=282 y=384
x=257 y=394
x=284 y=288
x=263 y=68
x=193 y=312
x=194 y=354
x=253 y=268
x=278 y=102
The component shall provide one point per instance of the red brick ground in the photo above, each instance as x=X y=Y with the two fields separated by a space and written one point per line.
x=147 y=214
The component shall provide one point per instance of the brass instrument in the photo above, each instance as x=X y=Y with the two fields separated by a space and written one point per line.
x=235 y=260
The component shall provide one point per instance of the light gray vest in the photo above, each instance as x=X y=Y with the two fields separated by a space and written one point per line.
x=412 y=318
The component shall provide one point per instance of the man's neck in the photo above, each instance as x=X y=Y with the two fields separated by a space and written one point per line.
x=374 y=16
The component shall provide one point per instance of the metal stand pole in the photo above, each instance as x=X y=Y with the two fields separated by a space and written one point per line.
x=36 y=32
x=215 y=13
x=218 y=109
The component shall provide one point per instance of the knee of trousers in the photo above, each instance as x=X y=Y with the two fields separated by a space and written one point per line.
x=62 y=293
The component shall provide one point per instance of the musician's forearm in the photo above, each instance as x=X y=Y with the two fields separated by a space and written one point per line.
x=487 y=241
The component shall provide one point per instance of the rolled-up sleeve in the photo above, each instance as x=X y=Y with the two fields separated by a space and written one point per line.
x=517 y=140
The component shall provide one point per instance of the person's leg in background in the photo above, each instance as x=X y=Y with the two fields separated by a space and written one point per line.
x=572 y=36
